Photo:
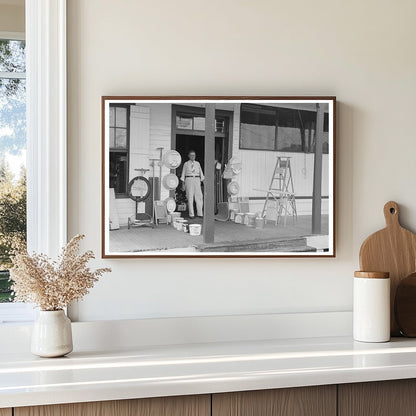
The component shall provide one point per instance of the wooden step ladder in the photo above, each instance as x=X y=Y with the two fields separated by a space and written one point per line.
x=281 y=191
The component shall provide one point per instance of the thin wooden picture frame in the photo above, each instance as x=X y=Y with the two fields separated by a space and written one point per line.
x=221 y=129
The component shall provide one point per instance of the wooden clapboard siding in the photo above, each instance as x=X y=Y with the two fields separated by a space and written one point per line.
x=382 y=398
x=258 y=169
x=160 y=135
x=236 y=130
x=151 y=126
x=139 y=139
x=5 y=412
x=303 y=207
x=311 y=401
x=125 y=208
x=164 y=406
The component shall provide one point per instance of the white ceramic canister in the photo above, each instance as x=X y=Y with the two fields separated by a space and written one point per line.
x=371 y=308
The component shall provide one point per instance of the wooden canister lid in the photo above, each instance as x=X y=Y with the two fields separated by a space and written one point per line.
x=372 y=275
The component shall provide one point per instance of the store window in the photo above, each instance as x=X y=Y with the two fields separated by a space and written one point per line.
x=258 y=127
x=296 y=131
x=119 y=148
x=279 y=129
x=12 y=157
x=197 y=123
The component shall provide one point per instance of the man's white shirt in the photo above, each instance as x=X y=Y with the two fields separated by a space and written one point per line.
x=192 y=168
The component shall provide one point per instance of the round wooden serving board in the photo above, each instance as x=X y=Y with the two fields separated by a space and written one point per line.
x=392 y=250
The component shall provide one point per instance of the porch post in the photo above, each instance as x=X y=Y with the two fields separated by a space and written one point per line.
x=317 y=172
x=209 y=197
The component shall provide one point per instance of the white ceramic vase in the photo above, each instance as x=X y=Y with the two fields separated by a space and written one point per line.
x=52 y=334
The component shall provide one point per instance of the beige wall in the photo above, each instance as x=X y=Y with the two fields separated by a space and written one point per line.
x=12 y=18
x=361 y=51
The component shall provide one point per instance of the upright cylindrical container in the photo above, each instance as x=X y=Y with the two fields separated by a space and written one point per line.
x=371 y=307
x=52 y=334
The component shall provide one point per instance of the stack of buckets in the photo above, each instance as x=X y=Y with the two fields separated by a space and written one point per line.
x=250 y=219
x=181 y=224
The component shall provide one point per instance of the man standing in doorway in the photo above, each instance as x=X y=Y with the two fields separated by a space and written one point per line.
x=191 y=178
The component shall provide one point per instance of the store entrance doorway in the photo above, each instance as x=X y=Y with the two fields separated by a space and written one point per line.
x=188 y=133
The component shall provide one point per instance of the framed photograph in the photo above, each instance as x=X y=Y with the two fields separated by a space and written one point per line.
x=218 y=176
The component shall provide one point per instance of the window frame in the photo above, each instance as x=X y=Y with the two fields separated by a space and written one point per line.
x=17 y=36
x=12 y=35
x=46 y=125
x=126 y=150
x=17 y=312
x=14 y=312
x=276 y=138
x=260 y=106
x=193 y=111
x=46 y=166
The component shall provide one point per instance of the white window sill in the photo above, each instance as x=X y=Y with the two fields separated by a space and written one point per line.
x=16 y=313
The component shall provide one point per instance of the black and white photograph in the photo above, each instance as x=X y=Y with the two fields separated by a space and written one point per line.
x=218 y=176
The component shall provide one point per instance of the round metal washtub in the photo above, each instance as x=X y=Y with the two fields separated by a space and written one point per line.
x=139 y=189
x=170 y=205
x=236 y=165
x=233 y=188
x=172 y=159
x=170 y=181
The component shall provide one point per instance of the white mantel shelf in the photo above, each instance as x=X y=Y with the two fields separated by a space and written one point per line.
x=200 y=368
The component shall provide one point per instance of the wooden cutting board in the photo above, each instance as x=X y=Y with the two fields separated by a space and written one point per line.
x=405 y=306
x=393 y=250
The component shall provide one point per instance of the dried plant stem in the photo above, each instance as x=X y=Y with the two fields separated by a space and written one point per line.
x=53 y=285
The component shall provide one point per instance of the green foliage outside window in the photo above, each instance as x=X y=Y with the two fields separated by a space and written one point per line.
x=12 y=148
x=12 y=224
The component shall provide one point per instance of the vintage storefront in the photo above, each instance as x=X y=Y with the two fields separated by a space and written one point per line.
x=254 y=134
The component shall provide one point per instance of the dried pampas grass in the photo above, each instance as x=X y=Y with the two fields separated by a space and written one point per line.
x=53 y=285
